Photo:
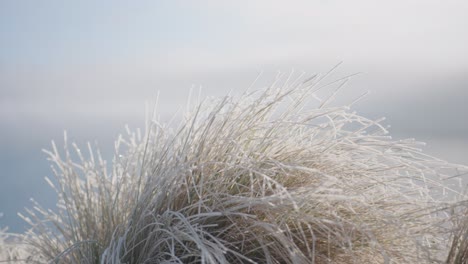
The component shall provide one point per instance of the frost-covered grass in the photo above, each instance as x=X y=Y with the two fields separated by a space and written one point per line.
x=12 y=248
x=459 y=243
x=275 y=175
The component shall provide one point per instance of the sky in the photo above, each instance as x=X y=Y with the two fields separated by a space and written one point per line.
x=90 y=66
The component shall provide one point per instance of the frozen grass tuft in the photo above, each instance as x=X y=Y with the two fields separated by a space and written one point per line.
x=459 y=241
x=272 y=176
x=13 y=249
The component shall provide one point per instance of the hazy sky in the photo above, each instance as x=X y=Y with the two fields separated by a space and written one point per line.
x=89 y=67
x=106 y=57
x=52 y=50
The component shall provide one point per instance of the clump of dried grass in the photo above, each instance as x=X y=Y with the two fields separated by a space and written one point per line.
x=7 y=252
x=12 y=248
x=458 y=252
x=274 y=176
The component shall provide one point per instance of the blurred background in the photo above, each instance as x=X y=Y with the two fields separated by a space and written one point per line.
x=90 y=66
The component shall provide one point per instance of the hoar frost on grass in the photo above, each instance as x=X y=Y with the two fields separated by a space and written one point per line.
x=13 y=248
x=262 y=178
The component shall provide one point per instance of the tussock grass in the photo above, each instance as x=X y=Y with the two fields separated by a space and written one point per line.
x=13 y=249
x=459 y=241
x=6 y=250
x=275 y=175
